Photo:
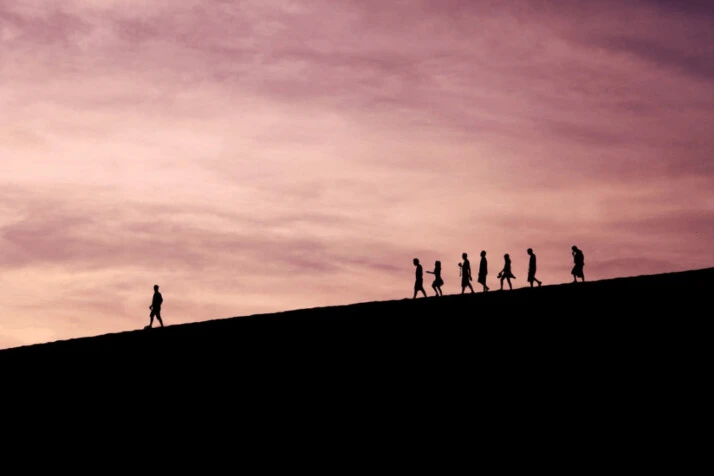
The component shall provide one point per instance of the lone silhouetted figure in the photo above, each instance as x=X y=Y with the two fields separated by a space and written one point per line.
x=505 y=273
x=155 y=308
x=466 y=274
x=483 y=271
x=532 y=268
x=419 y=283
x=438 y=282
x=579 y=260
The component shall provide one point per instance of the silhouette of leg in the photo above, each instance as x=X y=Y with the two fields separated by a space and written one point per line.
x=509 y=284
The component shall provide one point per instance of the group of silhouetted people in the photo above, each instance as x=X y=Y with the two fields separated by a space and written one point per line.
x=506 y=274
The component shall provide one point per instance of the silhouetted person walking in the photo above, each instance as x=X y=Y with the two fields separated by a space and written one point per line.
x=532 y=268
x=506 y=273
x=156 y=308
x=466 y=274
x=419 y=283
x=579 y=260
x=483 y=271
x=438 y=282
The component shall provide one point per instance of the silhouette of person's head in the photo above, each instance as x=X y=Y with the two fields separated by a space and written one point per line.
x=575 y=248
x=416 y=261
x=483 y=253
x=530 y=251
x=437 y=264
x=464 y=255
x=507 y=257
x=156 y=287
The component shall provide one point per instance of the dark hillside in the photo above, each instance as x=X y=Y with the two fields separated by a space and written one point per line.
x=592 y=319
x=566 y=374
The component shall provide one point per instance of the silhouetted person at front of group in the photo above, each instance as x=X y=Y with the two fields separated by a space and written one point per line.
x=532 y=268
x=506 y=273
x=156 y=308
x=419 y=283
x=579 y=260
x=438 y=282
x=483 y=271
x=466 y=274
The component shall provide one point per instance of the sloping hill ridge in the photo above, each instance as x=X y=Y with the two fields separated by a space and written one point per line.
x=570 y=319
x=556 y=374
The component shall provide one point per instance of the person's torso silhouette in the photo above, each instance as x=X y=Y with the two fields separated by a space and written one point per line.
x=579 y=257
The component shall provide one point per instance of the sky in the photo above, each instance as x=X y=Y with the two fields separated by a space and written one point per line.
x=257 y=156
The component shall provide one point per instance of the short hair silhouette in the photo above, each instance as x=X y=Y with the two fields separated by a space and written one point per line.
x=532 y=268
x=155 y=307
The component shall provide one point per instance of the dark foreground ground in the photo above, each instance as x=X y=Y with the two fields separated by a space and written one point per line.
x=607 y=375
x=569 y=326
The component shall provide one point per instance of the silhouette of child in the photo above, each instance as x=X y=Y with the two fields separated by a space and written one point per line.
x=466 y=274
x=419 y=283
x=438 y=282
x=579 y=259
x=483 y=271
x=532 y=268
x=506 y=273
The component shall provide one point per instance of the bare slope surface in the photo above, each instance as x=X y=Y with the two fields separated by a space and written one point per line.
x=565 y=376
x=585 y=319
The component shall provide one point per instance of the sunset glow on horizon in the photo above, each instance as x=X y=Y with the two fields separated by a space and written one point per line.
x=264 y=155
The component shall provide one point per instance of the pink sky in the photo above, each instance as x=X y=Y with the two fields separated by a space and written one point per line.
x=263 y=155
